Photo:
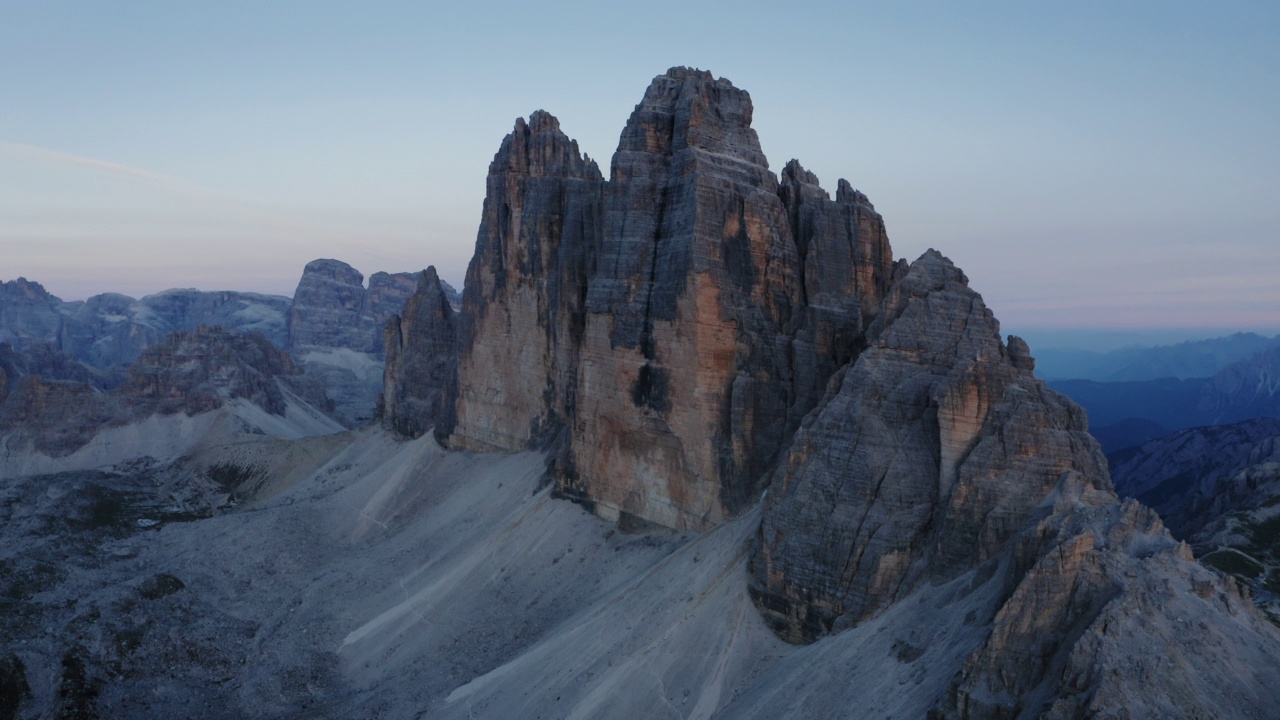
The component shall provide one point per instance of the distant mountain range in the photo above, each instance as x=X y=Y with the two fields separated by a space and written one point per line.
x=1124 y=413
x=1191 y=359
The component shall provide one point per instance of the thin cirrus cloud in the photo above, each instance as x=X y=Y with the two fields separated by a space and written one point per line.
x=32 y=152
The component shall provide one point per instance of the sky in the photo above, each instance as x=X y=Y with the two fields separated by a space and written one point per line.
x=1092 y=166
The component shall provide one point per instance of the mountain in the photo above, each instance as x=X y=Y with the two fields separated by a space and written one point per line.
x=1186 y=476
x=1219 y=488
x=664 y=331
x=1246 y=389
x=1190 y=359
x=808 y=481
x=191 y=373
x=335 y=330
x=1122 y=411
x=421 y=350
x=111 y=330
x=651 y=331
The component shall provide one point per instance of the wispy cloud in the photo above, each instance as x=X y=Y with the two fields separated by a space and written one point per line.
x=35 y=152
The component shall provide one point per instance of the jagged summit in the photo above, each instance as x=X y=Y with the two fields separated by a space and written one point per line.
x=538 y=148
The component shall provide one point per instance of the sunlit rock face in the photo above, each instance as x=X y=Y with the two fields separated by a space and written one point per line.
x=665 y=330
x=521 y=323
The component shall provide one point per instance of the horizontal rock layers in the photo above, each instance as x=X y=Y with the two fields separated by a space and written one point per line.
x=669 y=328
x=929 y=453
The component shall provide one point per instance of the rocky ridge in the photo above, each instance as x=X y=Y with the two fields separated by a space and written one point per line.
x=723 y=331
x=188 y=372
x=692 y=273
x=111 y=330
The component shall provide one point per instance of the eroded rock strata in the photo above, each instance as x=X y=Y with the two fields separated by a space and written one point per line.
x=929 y=453
x=665 y=330
x=521 y=324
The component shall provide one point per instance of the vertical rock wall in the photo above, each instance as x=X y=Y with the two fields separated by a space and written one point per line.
x=668 y=329
x=522 y=310
x=421 y=360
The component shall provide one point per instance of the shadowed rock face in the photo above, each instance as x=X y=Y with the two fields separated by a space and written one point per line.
x=421 y=360
x=1190 y=477
x=28 y=313
x=671 y=326
x=929 y=453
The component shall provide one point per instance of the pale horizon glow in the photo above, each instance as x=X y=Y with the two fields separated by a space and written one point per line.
x=1104 y=166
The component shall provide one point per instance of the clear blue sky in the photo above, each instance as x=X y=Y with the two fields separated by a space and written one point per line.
x=1089 y=164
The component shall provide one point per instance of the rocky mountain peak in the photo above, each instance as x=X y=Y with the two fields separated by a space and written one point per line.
x=421 y=347
x=538 y=148
x=955 y=447
x=691 y=109
x=332 y=309
x=332 y=270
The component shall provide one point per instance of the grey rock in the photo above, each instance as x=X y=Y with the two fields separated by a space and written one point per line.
x=328 y=308
x=188 y=372
x=929 y=452
x=28 y=313
x=422 y=349
x=521 y=321
x=665 y=331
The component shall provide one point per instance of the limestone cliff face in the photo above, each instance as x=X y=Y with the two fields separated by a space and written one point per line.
x=847 y=266
x=328 y=308
x=669 y=328
x=686 y=377
x=931 y=451
x=421 y=361
x=521 y=319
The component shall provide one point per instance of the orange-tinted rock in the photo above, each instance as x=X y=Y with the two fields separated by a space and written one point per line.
x=521 y=317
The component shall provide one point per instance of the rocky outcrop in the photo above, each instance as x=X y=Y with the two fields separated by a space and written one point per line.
x=668 y=329
x=1114 y=619
x=930 y=451
x=328 y=308
x=847 y=267
x=421 y=351
x=685 y=386
x=937 y=457
x=1217 y=488
x=335 y=330
x=332 y=309
x=188 y=372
